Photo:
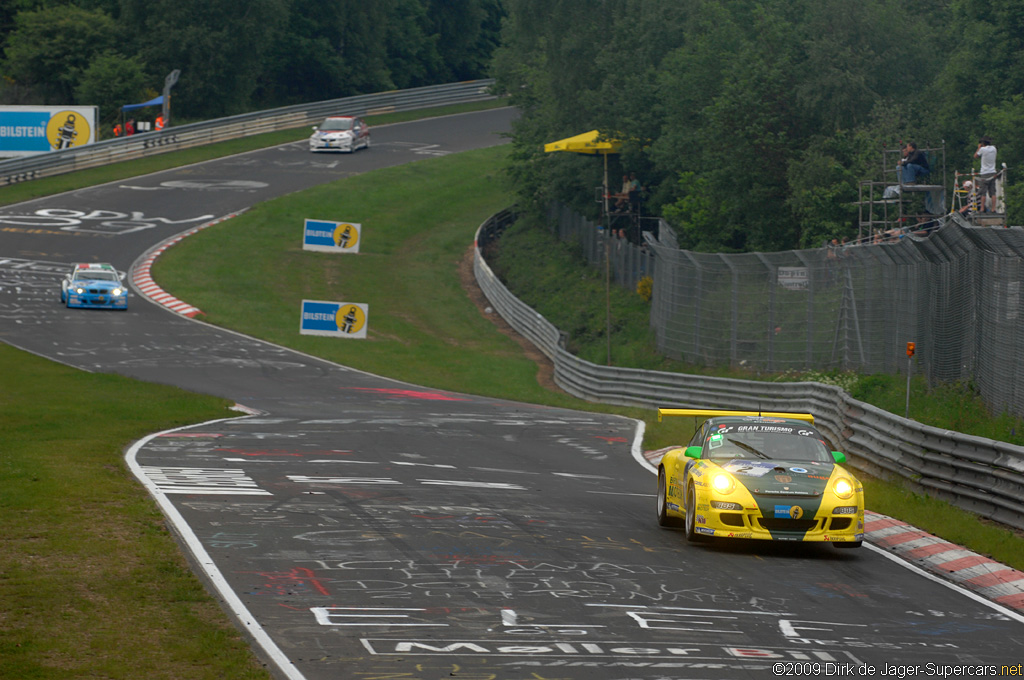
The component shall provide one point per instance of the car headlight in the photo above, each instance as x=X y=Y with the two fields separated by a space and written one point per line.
x=723 y=483
x=843 y=487
x=79 y=290
x=116 y=292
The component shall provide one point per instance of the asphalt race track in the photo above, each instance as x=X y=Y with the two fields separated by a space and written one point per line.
x=359 y=527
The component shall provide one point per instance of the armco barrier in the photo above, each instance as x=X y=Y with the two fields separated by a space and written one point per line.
x=977 y=474
x=245 y=125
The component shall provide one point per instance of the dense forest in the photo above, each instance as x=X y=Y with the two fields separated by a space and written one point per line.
x=237 y=56
x=750 y=122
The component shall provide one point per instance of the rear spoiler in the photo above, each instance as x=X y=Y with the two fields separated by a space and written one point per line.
x=710 y=413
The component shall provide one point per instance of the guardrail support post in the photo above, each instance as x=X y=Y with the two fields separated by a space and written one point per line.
x=910 y=357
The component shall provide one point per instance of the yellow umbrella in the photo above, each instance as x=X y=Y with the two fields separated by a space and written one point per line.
x=588 y=142
x=592 y=143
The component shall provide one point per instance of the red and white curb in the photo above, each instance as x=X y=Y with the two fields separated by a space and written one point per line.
x=976 y=573
x=142 y=278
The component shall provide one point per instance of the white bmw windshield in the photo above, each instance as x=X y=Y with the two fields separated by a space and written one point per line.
x=95 y=275
x=336 y=125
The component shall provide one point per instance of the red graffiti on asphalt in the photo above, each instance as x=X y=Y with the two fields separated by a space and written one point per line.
x=409 y=394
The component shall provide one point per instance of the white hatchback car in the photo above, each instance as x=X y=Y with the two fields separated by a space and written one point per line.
x=340 y=133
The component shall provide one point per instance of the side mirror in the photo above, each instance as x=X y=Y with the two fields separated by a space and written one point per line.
x=693 y=451
x=316 y=127
x=840 y=457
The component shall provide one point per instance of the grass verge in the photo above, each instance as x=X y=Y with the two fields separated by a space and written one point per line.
x=418 y=222
x=92 y=585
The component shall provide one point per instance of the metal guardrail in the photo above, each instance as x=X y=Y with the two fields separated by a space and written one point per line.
x=977 y=474
x=244 y=125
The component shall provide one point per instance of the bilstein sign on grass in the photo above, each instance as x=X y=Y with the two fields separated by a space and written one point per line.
x=335 y=319
x=331 y=237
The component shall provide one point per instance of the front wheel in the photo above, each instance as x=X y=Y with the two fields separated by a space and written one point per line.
x=691 y=516
x=664 y=519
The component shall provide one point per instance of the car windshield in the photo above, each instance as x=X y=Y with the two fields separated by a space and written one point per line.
x=95 y=275
x=792 y=444
x=336 y=124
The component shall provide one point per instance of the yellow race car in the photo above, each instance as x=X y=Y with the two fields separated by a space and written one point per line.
x=765 y=476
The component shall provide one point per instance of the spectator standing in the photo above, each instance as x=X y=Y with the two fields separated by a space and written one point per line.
x=987 y=175
x=634 y=193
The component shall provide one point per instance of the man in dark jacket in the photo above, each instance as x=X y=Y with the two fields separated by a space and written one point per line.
x=913 y=165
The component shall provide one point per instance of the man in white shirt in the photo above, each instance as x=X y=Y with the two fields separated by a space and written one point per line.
x=987 y=175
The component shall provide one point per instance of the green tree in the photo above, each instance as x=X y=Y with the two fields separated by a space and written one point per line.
x=219 y=46
x=111 y=81
x=50 y=48
x=463 y=32
x=744 y=142
x=984 y=64
x=822 y=190
x=9 y=10
x=304 y=61
x=979 y=90
x=743 y=116
x=551 y=64
x=413 y=58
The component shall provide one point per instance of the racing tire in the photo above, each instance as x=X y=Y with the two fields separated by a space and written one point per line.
x=691 y=516
x=847 y=546
x=664 y=519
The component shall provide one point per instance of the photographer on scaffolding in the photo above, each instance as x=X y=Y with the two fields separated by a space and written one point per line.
x=986 y=180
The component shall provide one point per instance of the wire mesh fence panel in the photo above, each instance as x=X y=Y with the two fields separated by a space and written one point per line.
x=998 y=331
x=956 y=294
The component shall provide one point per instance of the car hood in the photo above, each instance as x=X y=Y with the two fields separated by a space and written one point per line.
x=781 y=477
